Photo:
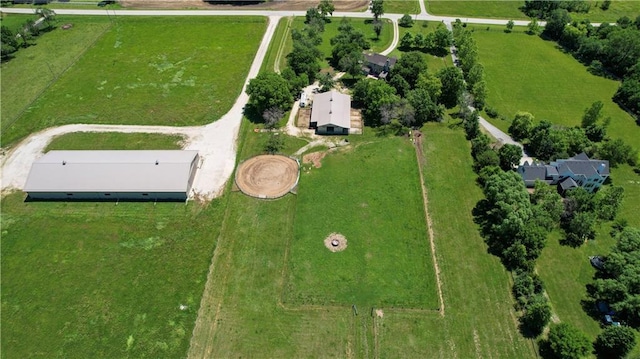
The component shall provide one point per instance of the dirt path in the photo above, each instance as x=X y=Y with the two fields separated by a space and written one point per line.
x=283 y=41
x=417 y=138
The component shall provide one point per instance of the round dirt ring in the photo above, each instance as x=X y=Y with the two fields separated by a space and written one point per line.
x=335 y=242
x=267 y=176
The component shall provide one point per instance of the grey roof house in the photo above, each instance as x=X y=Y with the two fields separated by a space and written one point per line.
x=577 y=171
x=378 y=65
x=331 y=113
x=112 y=175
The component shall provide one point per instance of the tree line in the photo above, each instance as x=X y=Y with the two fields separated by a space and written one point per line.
x=23 y=36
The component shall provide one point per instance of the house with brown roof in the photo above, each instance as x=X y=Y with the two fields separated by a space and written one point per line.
x=378 y=65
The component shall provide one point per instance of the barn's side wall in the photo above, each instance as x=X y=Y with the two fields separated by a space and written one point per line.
x=108 y=196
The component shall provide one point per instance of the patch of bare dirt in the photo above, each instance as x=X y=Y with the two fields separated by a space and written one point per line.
x=335 y=242
x=344 y=5
x=267 y=176
x=315 y=158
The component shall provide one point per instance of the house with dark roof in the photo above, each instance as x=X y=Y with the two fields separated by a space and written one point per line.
x=378 y=65
x=577 y=171
x=331 y=113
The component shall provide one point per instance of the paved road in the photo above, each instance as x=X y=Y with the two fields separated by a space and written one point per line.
x=367 y=14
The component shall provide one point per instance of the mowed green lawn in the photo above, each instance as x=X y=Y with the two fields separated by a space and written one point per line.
x=115 y=141
x=402 y=7
x=566 y=271
x=330 y=31
x=371 y=194
x=510 y=9
x=526 y=73
x=151 y=71
x=435 y=63
x=100 y=280
x=34 y=68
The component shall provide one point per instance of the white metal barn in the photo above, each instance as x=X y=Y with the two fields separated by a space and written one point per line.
x=113 y=175
x=331 y=113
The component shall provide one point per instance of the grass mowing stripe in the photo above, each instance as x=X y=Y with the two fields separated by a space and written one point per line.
x=115 y=141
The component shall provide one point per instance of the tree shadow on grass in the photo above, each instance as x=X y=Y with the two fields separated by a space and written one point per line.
x=252 y=113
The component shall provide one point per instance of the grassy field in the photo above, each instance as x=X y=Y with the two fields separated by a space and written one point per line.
x=330 y=31
x=509 y=9
x=356 y=193
x=142 y=71
x=33 y=69
x=402 y=7
x=566 y=271
x=14 y=21
x=526 y=73
x=114 y=141
x=435 y=63
x=251 y=259
x=83 y=280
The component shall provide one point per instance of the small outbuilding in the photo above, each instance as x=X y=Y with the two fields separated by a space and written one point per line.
x=331 y=113
x=112 y=175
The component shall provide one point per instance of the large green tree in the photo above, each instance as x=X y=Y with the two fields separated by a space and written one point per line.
x=452 y=86
x=410 y=66
x=615 y=342
x=372 y=95
x=567 y=342
x=377 y=8
x=269 y=90
x=520 y=127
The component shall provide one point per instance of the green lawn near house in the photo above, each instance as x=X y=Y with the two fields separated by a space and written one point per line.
x=435 y=63
x=371 y=195
x=526 y=73
x=145 y=71
x=330 y=31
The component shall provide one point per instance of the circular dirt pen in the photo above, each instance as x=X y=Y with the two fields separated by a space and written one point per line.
x=267 y=176
x=335 y=242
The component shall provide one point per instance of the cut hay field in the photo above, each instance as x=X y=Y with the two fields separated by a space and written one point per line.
x=143 y=71
x=526 y=73
x=376 y=203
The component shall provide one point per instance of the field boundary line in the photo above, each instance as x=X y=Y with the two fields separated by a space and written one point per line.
x=417 y=140
x=55 y=78
x=205 y=322
x=276 y=64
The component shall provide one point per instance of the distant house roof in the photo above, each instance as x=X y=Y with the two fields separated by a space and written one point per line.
x=331 y=108
x=380 y=60
x=111 y=171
